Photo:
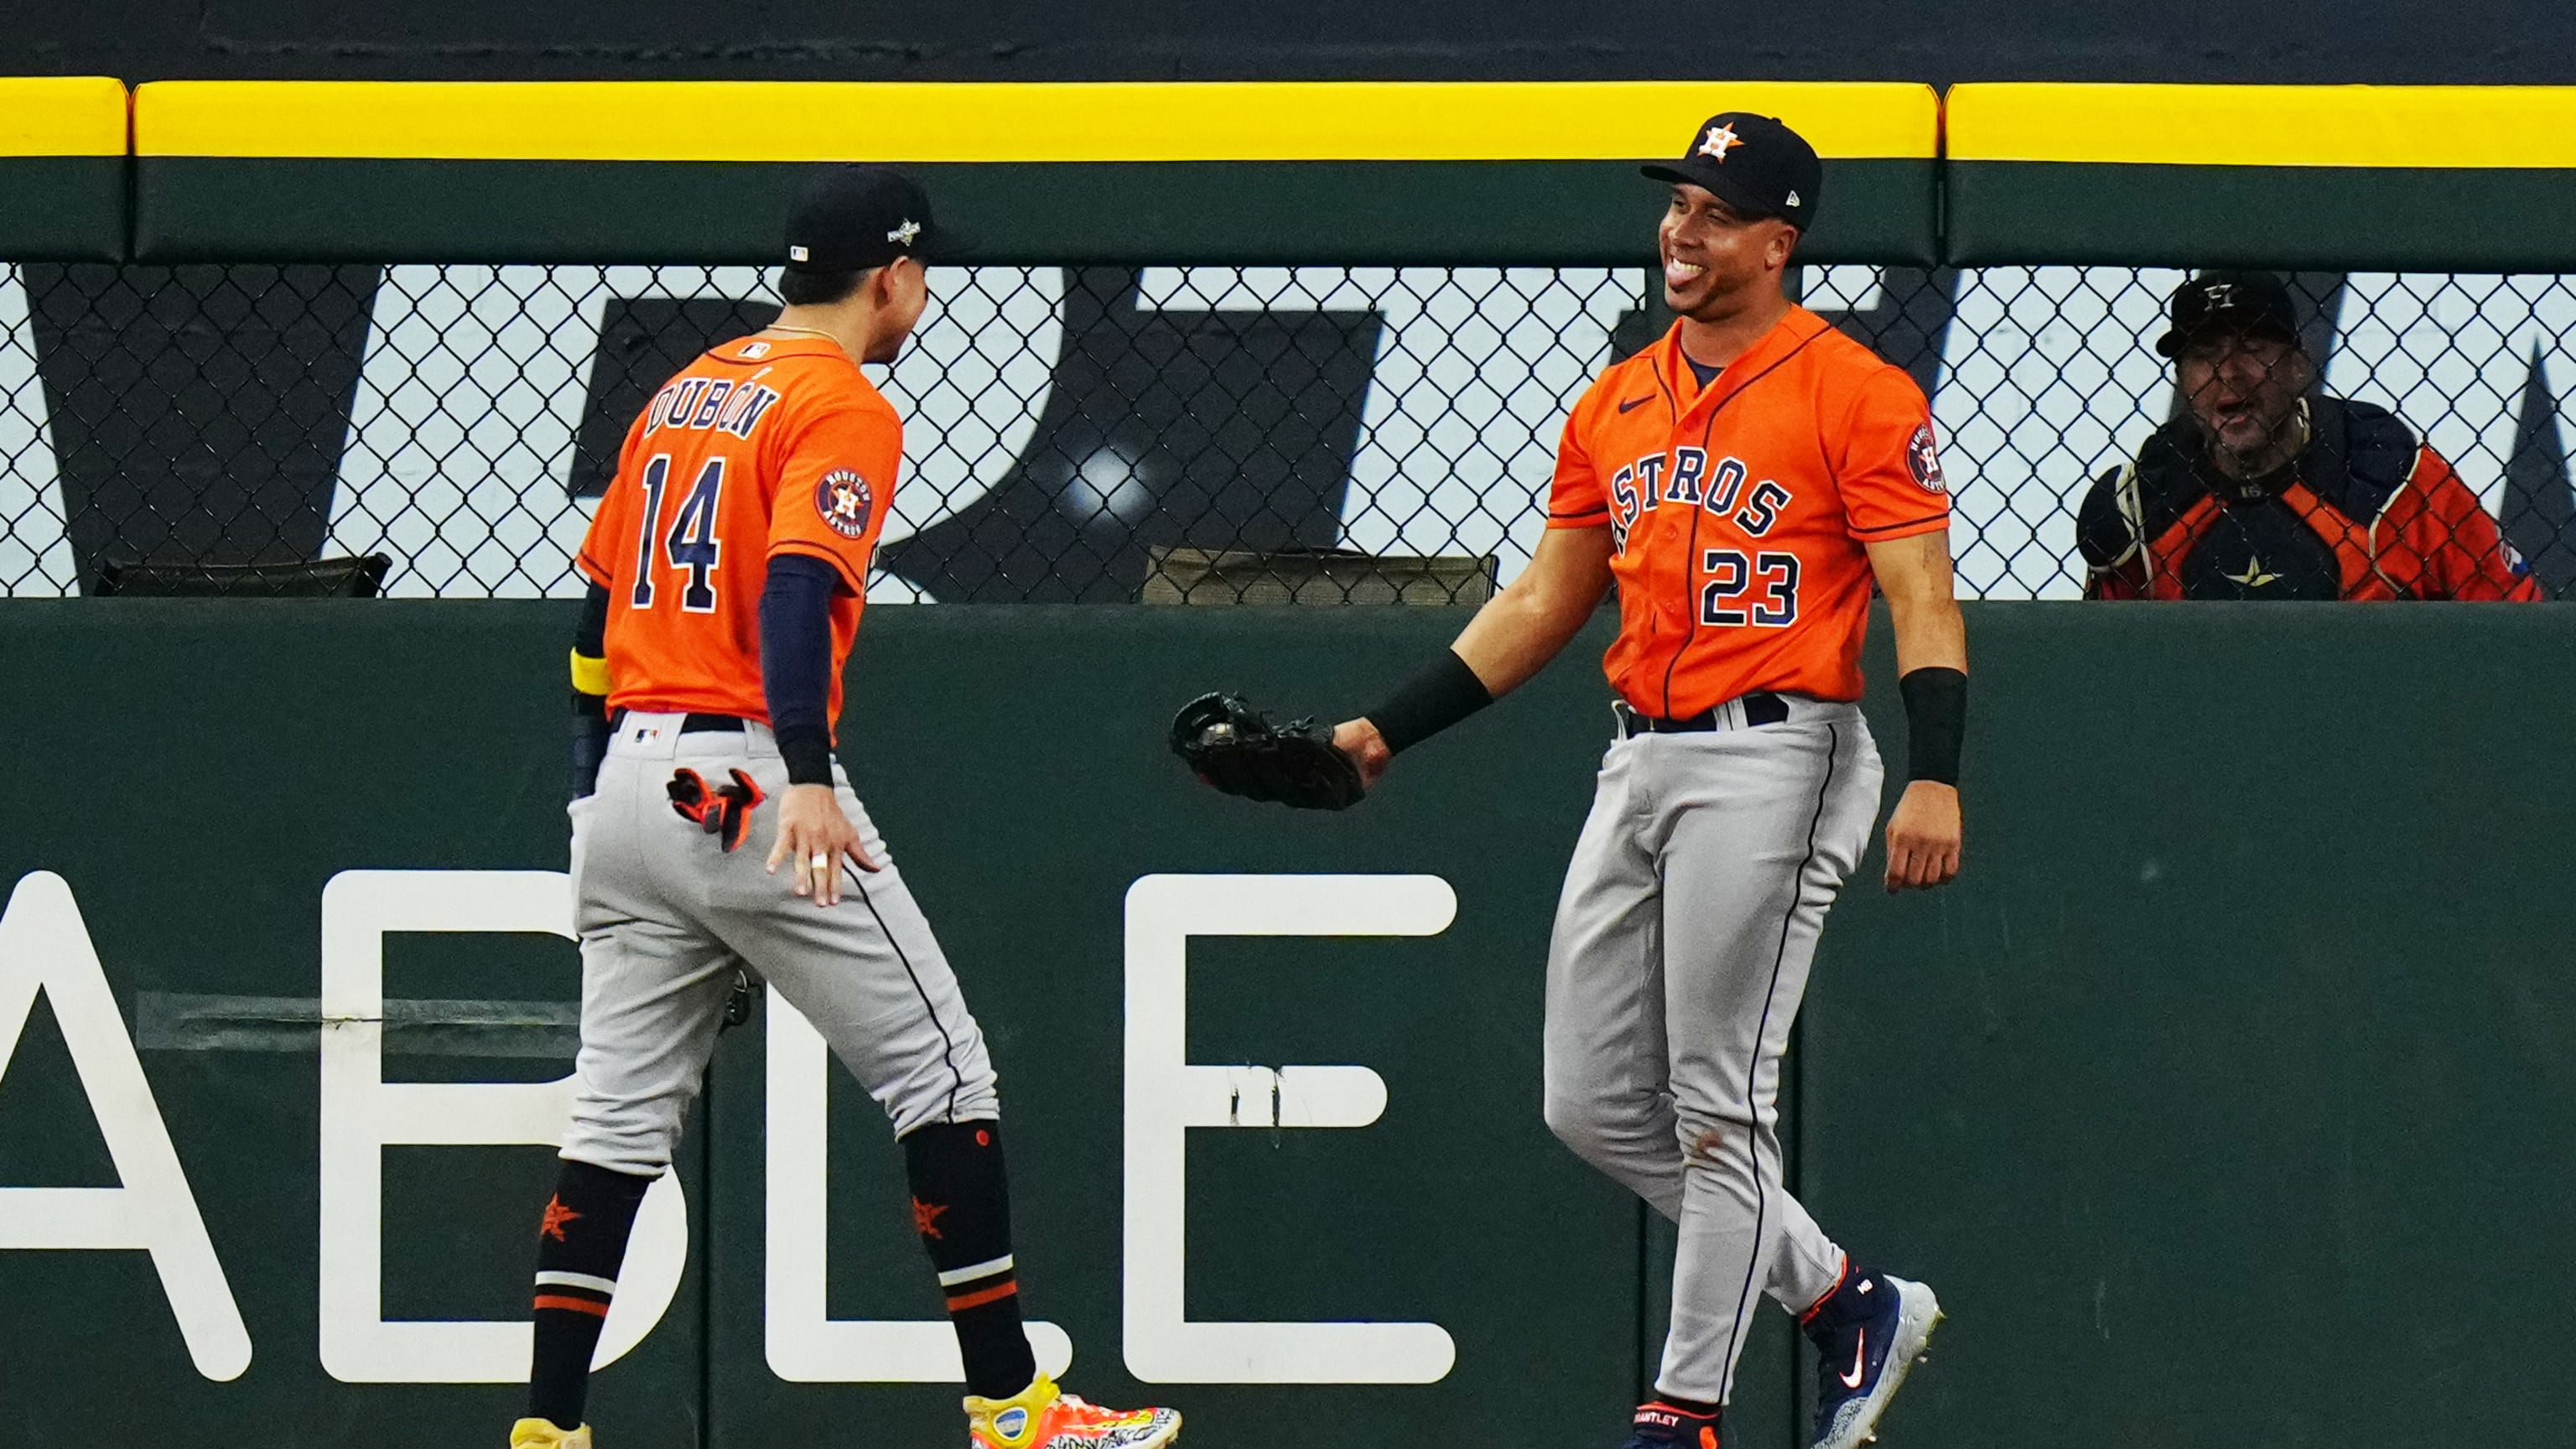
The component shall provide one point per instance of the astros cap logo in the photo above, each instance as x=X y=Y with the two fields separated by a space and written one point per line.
x=1721 y=139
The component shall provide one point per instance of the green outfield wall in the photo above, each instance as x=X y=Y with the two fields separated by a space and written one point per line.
x=2243 y=1046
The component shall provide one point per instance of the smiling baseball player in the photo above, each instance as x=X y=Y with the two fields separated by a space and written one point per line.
x=728 y=566
x=1743 y=482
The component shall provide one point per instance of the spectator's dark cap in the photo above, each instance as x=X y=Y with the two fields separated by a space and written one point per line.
x=1753 y=163
x=851 y=218
x=2229 y=302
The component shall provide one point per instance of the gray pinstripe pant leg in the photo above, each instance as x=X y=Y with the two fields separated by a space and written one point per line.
x=1689 y=920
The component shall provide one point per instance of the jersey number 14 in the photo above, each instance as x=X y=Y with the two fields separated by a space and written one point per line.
x=691 y=543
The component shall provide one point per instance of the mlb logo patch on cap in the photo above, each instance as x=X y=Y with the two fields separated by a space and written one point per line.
x=853 y=217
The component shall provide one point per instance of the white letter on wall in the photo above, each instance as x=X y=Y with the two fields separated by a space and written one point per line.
x=1166 y=1096
x=804 y=1344
x=362 y=1114
x=44 y=946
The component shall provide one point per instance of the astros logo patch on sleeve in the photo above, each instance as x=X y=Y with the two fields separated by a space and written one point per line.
x=844 y=501
x=1924 y=461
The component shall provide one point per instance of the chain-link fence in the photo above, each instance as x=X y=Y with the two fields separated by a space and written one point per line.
x=1065 y=427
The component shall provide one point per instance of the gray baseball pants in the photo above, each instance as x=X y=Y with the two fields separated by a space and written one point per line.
x=1689 y=919
x=666 y=914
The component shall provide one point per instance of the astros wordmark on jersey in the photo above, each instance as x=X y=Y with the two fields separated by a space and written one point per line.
x=1741 y=530
x=682 y=539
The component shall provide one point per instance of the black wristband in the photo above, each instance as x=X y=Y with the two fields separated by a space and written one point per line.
x=1440 y=696
x=1936 y=722
x=807 y=753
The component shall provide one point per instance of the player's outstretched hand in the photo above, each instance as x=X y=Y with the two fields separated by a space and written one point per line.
x=814 y=834
x=1923 y=837
x=1360 y=740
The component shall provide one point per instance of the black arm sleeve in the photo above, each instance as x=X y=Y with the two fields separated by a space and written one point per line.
x=589 y=711
x=1440 y=696
x=1936 y=722
x=796 y=663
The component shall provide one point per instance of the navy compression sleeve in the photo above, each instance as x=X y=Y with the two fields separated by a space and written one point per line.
x=796 y=663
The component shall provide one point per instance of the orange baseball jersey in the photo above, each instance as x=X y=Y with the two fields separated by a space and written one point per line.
x=762 y=446
x=1740 y=511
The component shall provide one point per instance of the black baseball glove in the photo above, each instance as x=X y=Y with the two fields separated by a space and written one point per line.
x=1231 y=745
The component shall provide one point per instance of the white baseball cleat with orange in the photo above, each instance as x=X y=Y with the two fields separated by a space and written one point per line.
x=1042 y=1416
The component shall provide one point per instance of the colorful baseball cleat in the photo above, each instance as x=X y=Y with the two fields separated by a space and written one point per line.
x=1871 y=1331
x=1659 y=1425
x=542 y=1434
x=1045 y=1417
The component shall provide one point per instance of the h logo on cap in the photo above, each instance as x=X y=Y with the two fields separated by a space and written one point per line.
x=1721 y=139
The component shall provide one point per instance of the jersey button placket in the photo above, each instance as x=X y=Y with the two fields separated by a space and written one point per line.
x=1672 y=570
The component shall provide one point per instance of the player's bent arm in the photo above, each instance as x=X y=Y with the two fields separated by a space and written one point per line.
x=1530 y=622
x=1924 y=835
x=795 y=679
x=1511 y=639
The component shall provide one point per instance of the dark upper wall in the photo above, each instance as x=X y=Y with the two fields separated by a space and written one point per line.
x=2382 y=41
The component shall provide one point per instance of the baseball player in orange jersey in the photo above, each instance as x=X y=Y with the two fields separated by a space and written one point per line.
x=728 y=566
x=1742 y=481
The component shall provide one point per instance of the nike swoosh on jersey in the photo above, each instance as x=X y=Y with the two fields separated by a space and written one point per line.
x=1634 y=403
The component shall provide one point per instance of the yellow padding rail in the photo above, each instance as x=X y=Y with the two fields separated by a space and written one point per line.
x=1072 y=122
x=2452 y=127
x=62 y=116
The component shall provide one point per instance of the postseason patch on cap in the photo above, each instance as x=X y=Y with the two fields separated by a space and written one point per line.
x=844 y=500
x=1924 y=461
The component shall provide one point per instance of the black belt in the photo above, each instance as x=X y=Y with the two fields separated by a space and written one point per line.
x=693 y=723
x=1761 y=707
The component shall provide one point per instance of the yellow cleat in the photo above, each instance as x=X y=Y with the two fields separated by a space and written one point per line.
x=1045 y=1417
x=542 y=1434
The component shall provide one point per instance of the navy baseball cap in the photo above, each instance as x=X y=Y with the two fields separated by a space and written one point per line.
x=1753 y=163
x=2229 y=302
x=853 y=217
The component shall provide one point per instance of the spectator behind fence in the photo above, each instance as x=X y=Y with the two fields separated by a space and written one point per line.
x=2269 y=489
